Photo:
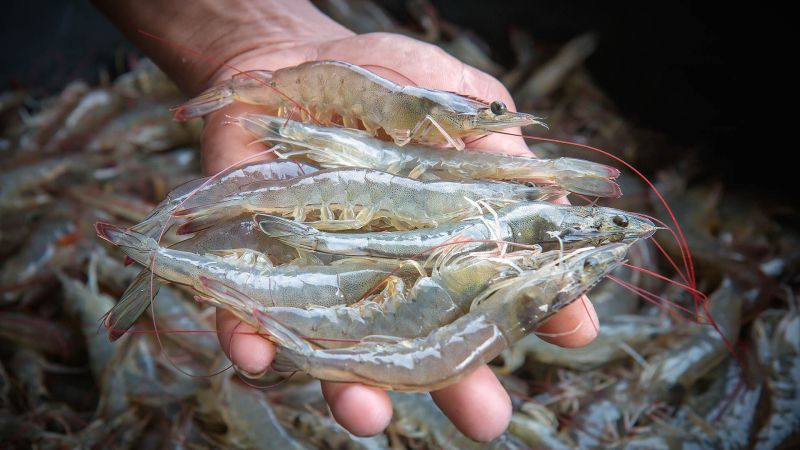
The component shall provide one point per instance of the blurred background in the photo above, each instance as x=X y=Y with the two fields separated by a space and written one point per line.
x=709 y=78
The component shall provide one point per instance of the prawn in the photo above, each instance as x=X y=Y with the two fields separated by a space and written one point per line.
x=523 y=223
x=339 y=147
x=323 y=89
x=251 y=271
x=238 y=233
x=503 y=315
x=360 y=196
x=432 y=302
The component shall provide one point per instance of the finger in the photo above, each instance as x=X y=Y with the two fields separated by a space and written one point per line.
x=226 y=143
x=574 y=326
x=478 y=405
x=249 y=352
x=362 y=410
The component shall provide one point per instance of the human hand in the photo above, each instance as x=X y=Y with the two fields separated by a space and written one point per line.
x=478 y=405
x=271 y=34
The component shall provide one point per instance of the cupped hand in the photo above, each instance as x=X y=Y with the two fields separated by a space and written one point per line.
x=478 y=405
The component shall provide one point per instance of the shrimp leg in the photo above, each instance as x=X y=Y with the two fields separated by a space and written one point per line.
x=508 y=313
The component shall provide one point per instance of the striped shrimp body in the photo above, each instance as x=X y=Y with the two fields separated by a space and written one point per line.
x=252 y=272
x=524 y=223
x=238 y=233
x=328 y=88
x=431 y=303
x=340 y=147
x=511 y=310
x=361 y=196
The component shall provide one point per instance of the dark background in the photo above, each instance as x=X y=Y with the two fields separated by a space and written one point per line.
x=719 y=79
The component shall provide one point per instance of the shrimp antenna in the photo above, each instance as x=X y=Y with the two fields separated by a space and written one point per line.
x=683 y=242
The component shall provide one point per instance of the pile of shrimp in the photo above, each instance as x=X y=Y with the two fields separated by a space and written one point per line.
x=371 y=242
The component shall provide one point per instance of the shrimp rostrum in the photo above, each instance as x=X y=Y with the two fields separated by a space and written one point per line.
x=323 y=89
x=504 y=314
x=525 y=223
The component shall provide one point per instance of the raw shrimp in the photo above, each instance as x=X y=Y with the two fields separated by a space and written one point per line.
x=250 y=419
x=431 y=303
x=503 y=315
x=228 y=182
x=146 y=80
x=327 y=88
x=715 y=430
x=22 y=187
x=238 y=233
x=321 y=431
x=670 y=374
x=523 y=223
x=537 y=426
x=777 y=335
x=147 y=128
x=48 y=247
x=340 y=147
x=362 y=196
x=252 y=272
x=618 y=334
x=419 y=418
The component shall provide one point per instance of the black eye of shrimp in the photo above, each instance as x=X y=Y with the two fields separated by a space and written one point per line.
x=498 y=107
x=621 y=221
x=590 y=262
x=530 y=184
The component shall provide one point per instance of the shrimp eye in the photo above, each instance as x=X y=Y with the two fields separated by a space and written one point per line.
x=498 y=107
x=621 y=221
x=530 y=184
x=590 y=262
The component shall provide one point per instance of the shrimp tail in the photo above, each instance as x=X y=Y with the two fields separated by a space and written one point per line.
x=131 y=305
x=292 y=233
x=591 y=186
x=209 y=101
x=204 y=216
x=293 y=351
x=237 y=88
x=136 y=245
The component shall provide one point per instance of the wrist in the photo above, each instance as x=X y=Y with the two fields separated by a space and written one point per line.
x=191 y=43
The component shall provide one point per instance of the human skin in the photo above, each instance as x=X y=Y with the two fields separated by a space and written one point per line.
x=270 y=34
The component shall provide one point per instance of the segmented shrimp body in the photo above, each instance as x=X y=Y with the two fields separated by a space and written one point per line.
x=325 y=89
x=431 y=303
x=359 y=197
x=525 y=223
x=251 y=272
x=342 y=147
x=512 y=310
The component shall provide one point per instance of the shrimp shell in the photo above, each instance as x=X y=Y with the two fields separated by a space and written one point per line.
x=523 y=223
x=361 y=196
x=340 y=147
x=513 y=309
x=327 y=88
x=251 y=272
